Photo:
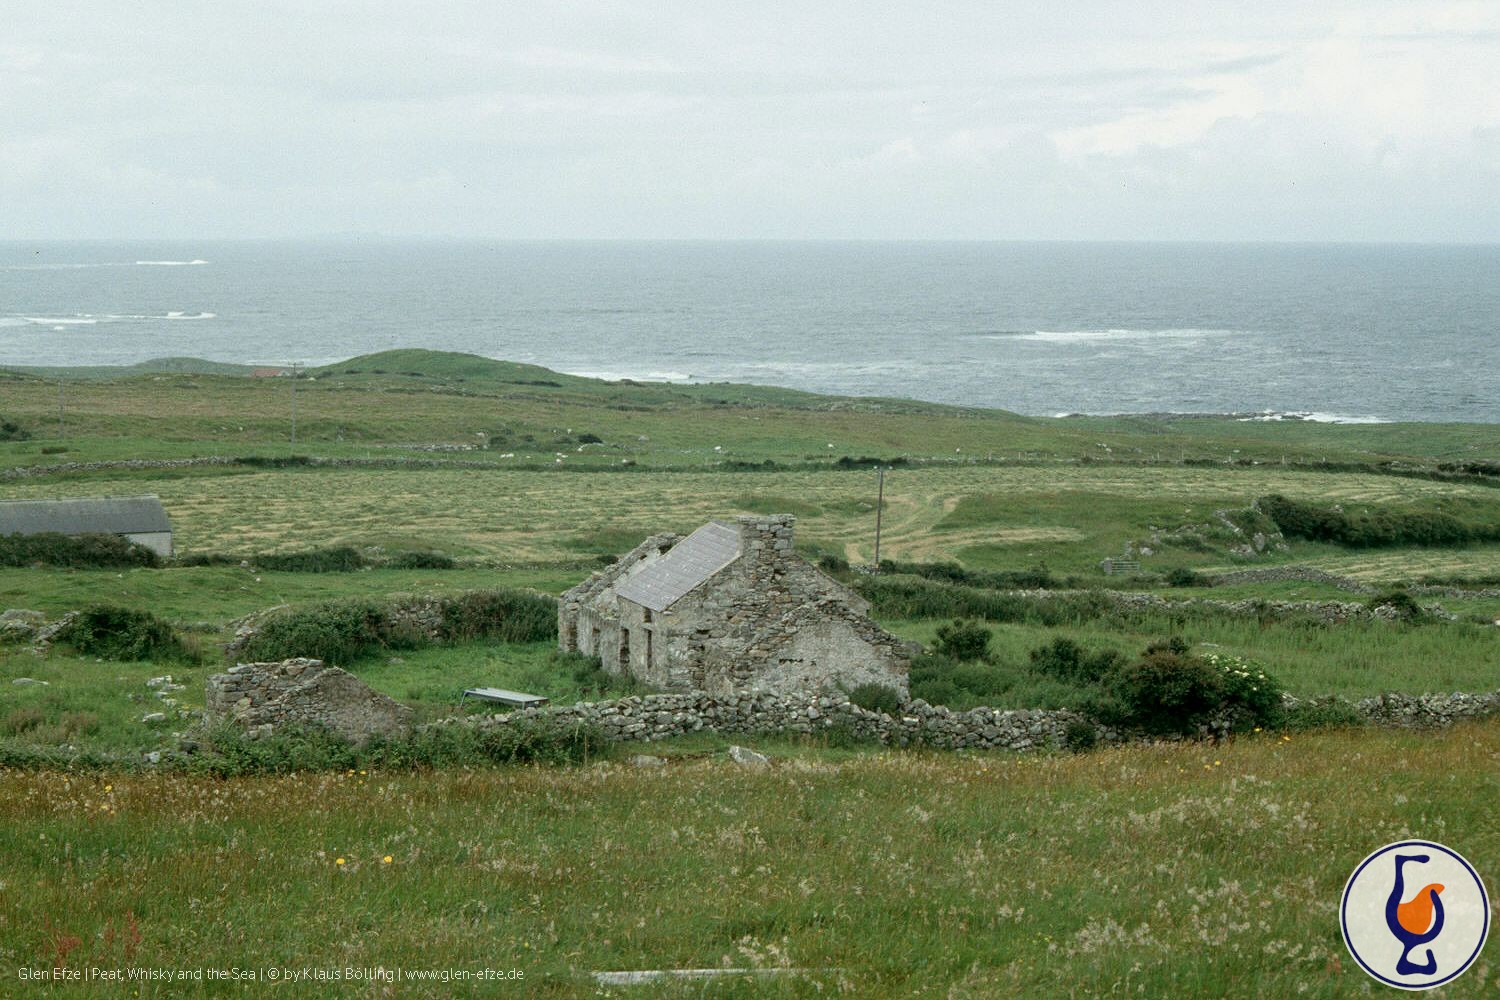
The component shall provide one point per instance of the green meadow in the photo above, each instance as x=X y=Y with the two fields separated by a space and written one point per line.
x=1182 y=869
x=1167 y=871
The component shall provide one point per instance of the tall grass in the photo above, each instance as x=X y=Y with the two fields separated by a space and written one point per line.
x=1166 y=871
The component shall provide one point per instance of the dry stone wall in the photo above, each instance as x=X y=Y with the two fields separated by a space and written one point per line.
x=1332 y=612
x=659 y=717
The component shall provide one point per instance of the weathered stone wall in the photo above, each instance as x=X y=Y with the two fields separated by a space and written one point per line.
x=1332 y=612
x=261 y=697
x=659 y=717
x=1310 y=574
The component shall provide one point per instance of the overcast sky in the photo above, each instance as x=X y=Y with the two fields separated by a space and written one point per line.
x=1064 y=119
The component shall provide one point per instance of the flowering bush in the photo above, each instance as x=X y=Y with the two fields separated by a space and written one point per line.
x=1170 y=690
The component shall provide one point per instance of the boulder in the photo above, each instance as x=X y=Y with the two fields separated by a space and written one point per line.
x=746 y=757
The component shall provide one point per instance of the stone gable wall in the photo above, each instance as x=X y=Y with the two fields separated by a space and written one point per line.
x=262 y=697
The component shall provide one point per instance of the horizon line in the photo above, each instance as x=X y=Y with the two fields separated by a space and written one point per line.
x=339 y=237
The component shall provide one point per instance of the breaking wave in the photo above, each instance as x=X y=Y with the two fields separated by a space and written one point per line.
x=1093 y=336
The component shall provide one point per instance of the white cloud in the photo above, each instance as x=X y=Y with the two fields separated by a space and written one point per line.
x=1260 y=118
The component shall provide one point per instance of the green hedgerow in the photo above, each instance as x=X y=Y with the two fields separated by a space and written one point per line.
x=334 y=559
x=87 y=551
x=507 y=615
x=337 y=632
x=421 y=560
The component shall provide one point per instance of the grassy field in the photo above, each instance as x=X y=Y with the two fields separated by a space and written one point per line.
x=989 y=490
x=1180 y=870
x=1169 y=870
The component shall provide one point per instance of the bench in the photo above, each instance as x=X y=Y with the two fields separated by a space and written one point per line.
x=514 y=699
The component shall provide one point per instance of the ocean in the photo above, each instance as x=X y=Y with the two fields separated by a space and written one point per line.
x=1337 y=332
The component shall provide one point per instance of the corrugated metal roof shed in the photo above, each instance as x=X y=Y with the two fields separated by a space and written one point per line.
x=104 y=515
x=687 y=564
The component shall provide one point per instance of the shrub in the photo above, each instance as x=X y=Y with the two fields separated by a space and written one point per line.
x=963 y=640
x=335 y=559
x=1403 y=604
x=12 y=431
x=421 y=560
x=1184 y=577
x=1169 y=690
x=876 y=698
x=88 y=551
x=114 y=633
x=833 y=564
x=1068 y=661
x=1162 y=692
x=1080 y=736
x=1251 y=697
x=208 y=559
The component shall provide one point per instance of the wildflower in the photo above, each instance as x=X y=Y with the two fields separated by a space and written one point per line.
x=339 y=861
x=386 y=860
x=109 y=788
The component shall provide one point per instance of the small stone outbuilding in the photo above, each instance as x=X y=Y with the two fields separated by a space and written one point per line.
x=139 y=519
x=729 y=609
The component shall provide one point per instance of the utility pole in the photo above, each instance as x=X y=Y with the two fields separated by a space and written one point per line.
x=296 y=373
x=62 y=426
x=879 y=507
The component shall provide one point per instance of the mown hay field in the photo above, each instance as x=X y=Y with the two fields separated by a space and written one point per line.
x=1007 y=516
x=1163 y=871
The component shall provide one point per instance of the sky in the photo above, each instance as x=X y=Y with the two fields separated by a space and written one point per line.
x=1001 y=119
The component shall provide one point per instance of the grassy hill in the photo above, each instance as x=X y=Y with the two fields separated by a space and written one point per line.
x=426 y=400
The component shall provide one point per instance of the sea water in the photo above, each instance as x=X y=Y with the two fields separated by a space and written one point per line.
x=1347 y=332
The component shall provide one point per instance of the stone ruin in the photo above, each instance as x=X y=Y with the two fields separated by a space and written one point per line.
x=262 y=697
x=730 y=609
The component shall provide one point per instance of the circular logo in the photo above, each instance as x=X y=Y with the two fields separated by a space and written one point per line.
x=1415 y=914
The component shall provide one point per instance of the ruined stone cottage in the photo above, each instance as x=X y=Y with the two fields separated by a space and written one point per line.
x=729 y=609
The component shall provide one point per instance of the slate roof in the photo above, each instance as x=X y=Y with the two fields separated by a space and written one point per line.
x=104 y=515
x=687 y=564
